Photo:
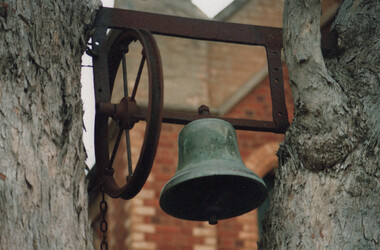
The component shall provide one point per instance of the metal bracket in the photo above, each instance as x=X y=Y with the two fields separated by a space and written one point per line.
x=268 y=37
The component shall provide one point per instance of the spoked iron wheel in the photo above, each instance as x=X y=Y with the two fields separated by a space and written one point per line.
x=127 y=113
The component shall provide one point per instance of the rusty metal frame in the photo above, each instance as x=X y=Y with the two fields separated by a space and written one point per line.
x=268 y=37
x=108 y=18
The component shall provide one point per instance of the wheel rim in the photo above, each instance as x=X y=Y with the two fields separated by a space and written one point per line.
x=153 y=118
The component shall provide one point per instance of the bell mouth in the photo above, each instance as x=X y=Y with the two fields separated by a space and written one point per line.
x=212 y=197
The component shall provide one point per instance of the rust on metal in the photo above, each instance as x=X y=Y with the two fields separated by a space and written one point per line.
x=183 y=118
x=122 y=112
x=191 y=28
x=198 y=29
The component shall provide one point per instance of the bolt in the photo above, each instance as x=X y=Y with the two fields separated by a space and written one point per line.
x=203 y=110
x=109 y=171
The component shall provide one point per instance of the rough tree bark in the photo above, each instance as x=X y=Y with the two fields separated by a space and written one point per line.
x=43 y=200
x=327 y=192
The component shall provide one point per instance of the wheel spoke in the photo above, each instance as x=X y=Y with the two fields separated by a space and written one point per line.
x=138 y=76
x=129 y=154
x=115 y=148
x=125 y=80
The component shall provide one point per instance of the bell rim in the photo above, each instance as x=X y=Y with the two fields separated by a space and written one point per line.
x=262 y=194
x=255 y=182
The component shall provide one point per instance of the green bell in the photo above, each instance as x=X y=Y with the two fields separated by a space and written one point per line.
x=211 y=182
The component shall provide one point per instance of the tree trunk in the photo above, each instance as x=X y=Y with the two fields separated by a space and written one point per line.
x=327 y=191
x=43 y=200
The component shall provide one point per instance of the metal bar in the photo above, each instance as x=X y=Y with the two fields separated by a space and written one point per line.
x=114 y=151
x=241 y=124
x=137 y=81
x=183 y=118
x=199 y=29
x=190 y=27
x=100 y=63
x=125 y=78
x=279 y=111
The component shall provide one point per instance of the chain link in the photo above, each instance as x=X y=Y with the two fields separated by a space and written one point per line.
x=103 y=223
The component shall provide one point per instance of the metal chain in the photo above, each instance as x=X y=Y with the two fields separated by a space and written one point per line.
x=103 y=223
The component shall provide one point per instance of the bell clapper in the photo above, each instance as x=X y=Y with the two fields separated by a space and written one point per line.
x=213 y=220
x=213 y=214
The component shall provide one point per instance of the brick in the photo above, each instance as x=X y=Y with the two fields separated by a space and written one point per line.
x=145 y=228
x=204 y=247
x=152 y=202
x=167 y=144
x=211 y=241
x=226 y=243
x=133 y=220
x=167 y=229
x=137 y=236
x=144 y=210
x=137 y=201
x=164 y=177
x=146 y=194
x=194 y=240
x=251 y=244
x=203 y=231
x=248 y=236
x=150 y=178
x=127 y=206
x=250 y=227
x=143 y=245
